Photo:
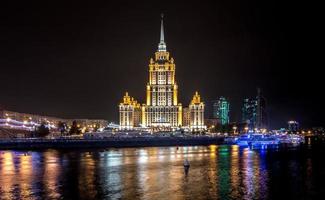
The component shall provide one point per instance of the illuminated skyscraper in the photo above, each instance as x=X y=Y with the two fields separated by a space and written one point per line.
x=162 y=108
x=249 y=112
x=261 y=113
x=221 y=110
x=254 y=112
x=162 y=111
x=293 y=126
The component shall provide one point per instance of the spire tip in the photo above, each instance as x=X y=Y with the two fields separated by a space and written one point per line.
x=162 y=44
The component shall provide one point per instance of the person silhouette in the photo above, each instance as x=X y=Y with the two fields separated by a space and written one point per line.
x=186 y=166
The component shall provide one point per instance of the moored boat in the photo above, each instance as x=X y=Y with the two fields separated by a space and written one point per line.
x=258 y=140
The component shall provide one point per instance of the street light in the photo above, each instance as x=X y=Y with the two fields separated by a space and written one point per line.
x=246 y=129
x=234 y=128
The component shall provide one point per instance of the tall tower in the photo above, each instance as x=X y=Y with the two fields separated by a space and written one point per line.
x=162 y=109
x=254 y=112
x=221 y=110
x=261 y=114
x=249 y=112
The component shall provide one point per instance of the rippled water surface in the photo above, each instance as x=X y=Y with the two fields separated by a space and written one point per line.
x=216 y=172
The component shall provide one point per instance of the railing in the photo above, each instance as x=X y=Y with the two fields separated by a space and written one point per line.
x=8 y=133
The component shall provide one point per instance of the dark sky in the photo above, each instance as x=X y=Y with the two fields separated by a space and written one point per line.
x=77 y=59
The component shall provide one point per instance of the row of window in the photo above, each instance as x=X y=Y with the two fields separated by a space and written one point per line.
x=159 y=98
x=161 y=77
x=162 y=117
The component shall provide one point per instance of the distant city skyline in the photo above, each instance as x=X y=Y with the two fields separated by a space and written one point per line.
x=77 y=61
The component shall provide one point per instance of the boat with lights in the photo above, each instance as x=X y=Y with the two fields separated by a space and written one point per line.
x=257 y=140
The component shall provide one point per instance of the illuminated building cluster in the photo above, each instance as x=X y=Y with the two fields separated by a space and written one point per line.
x=25 y=123
x=162 y=111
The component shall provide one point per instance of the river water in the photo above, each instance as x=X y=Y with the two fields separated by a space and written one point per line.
x=216 y=172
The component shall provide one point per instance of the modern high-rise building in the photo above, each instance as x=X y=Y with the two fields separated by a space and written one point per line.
x=162 y=111
x=293 y=126
x=261 y=113
x=221 y=110
x=249 y=112
x=254 y=112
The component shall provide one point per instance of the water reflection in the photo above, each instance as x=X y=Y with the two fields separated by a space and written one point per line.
x=236 y=185
x=216 y=172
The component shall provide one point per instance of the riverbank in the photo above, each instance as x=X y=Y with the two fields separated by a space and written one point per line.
x=19 y=144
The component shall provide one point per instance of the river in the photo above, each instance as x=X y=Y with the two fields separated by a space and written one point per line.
x=152 y=173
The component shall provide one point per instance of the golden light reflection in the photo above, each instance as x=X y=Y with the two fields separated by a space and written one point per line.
x=212 y=174
x=215 y=172
x=150 y=177
x=213 y=150
x=235 y=177
x=7 y=174
x=25 y=175
x=8 y=164
x=52 y=169
x=87 y=185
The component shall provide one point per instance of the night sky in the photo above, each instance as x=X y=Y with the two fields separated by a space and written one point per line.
x=76 y=60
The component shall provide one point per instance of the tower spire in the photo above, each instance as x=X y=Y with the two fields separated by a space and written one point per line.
x=162 y=44
x=162 y=39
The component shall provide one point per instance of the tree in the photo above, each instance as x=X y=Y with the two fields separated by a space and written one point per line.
x=226 y=128
x=62 y=127
x=42 y=131
x=74 y=128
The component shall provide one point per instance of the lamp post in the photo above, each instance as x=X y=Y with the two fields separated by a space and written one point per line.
x=246 y=129
x=234 y=128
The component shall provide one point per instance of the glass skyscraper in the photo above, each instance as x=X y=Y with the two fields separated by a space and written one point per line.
x=249 y=112
x=293 y=126
x=254 y=112
x=221 y=110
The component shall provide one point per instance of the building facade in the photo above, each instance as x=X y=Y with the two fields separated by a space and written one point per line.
x=249 y=112
x=261 y=113
x=254 y=112
x=130 y=113
x=186 y=117
x=162 y=111
x=221 y=110
x=162 y=108
x=293 y=126
x=14 y=123
x=196 y=110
